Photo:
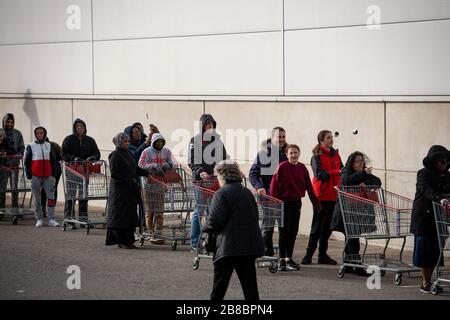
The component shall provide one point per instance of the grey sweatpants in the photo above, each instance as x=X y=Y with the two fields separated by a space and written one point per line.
x=48 y=184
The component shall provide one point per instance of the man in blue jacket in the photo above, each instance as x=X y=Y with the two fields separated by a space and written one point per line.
x=261 y=173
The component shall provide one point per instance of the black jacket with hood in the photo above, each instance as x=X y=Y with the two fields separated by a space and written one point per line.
x=431 y=186
x=74 y=149
x=13 y=136
x=205 y=150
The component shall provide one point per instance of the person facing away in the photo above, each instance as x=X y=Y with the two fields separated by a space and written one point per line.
x=260 y=176
x=433 y=185
x=326 y=164
x=205 y=150
x=40 y=168
x=15 y=139
x=354 y=173
x=290 y=183
x=123 y=195
x=233 y=217
x=78 y=147
x=156 y=160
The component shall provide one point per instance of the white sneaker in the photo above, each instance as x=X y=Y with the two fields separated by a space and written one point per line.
x=53 y=223
x=40 y=223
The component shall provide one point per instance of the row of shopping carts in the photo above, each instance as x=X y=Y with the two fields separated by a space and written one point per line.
x=369 y=213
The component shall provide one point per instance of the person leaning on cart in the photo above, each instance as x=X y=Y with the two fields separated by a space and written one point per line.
x=78 y=147
x=40 y=168
x=233 y=217
x=354 y=173
x=433 y=181
x=5 y=150
x=124 y=194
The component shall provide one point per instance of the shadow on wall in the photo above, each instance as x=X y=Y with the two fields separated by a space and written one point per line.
x=29 y=108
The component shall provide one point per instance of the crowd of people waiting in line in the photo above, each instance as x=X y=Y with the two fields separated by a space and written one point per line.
x=233 y=216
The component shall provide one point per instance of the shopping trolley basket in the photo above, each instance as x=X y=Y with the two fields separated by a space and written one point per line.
x=14 y=183
x=85 y=180
x=442 y=217
x=371 y=213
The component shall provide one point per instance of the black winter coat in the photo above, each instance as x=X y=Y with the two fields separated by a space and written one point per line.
x=234 y=217
x=124 y=190
x=349 y=177
x=430 y=186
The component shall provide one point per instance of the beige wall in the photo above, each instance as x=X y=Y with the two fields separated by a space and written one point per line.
x=396 y=145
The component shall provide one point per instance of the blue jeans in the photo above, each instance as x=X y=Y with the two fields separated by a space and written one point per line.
x=196 y=215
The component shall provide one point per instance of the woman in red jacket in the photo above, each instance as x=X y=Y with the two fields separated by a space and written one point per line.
x=326 y=164
x=289 y=183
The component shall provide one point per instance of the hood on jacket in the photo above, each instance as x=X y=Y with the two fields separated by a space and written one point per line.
x=157 y=136
x=205 y=118
x=436 y=152
x=74 y=126
x=6 y=117
x=129 y=129
x=45 y=134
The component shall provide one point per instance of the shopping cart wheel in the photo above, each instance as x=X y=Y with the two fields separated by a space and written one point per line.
x=141 y=241
x=14 y=220
x=435 y=288
x=195 y=263
x=341 y=272
x=273 y=268
x=173 y=246
x=87 y=229
x=64 y=226
x=398 y=279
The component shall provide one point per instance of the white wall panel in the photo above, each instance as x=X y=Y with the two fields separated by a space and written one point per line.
x=25 y=21
x=117 y=19
x=400 y=59
x=329 y=13
x=46 y=68
x=228 y=64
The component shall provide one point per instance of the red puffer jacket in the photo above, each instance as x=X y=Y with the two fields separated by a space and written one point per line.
x=326 y=166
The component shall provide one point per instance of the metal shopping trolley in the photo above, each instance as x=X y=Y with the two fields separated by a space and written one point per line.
x=170 y=197
x=269 y=209
x=442 y=217
x=14 y=183
x=371 y=213
x=86 y=180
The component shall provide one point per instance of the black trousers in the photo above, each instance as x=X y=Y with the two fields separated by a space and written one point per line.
x=320 y=229
x=352 y=247
x=246 y=272
x=288 y=233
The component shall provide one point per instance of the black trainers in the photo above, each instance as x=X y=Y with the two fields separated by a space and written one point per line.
x=326 y=260
x=426 y=289
x=282 y=265
x=292 y=265
x=306 y=260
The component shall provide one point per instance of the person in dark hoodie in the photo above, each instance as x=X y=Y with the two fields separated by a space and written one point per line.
x=135 y=134
x=261 y=173
x=79 y=147
x=205 y=150
x=40 y=168
x=15 y=139
x=354 y=173
x=5 y=150
x=326 y=164
x=123 y=196
x=433 y=185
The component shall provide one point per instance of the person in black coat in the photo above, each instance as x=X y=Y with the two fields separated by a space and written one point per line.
x=433 y=185
x=5 y=150
x=234 y=218
x=78 y=147
x=123 y=195
x=354 y=173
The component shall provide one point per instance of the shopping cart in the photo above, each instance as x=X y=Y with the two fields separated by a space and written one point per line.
x=442 y=217
x=371 y=213
x=14 y=183
x=85 y=180
x=269 y=210
x=170 y=196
